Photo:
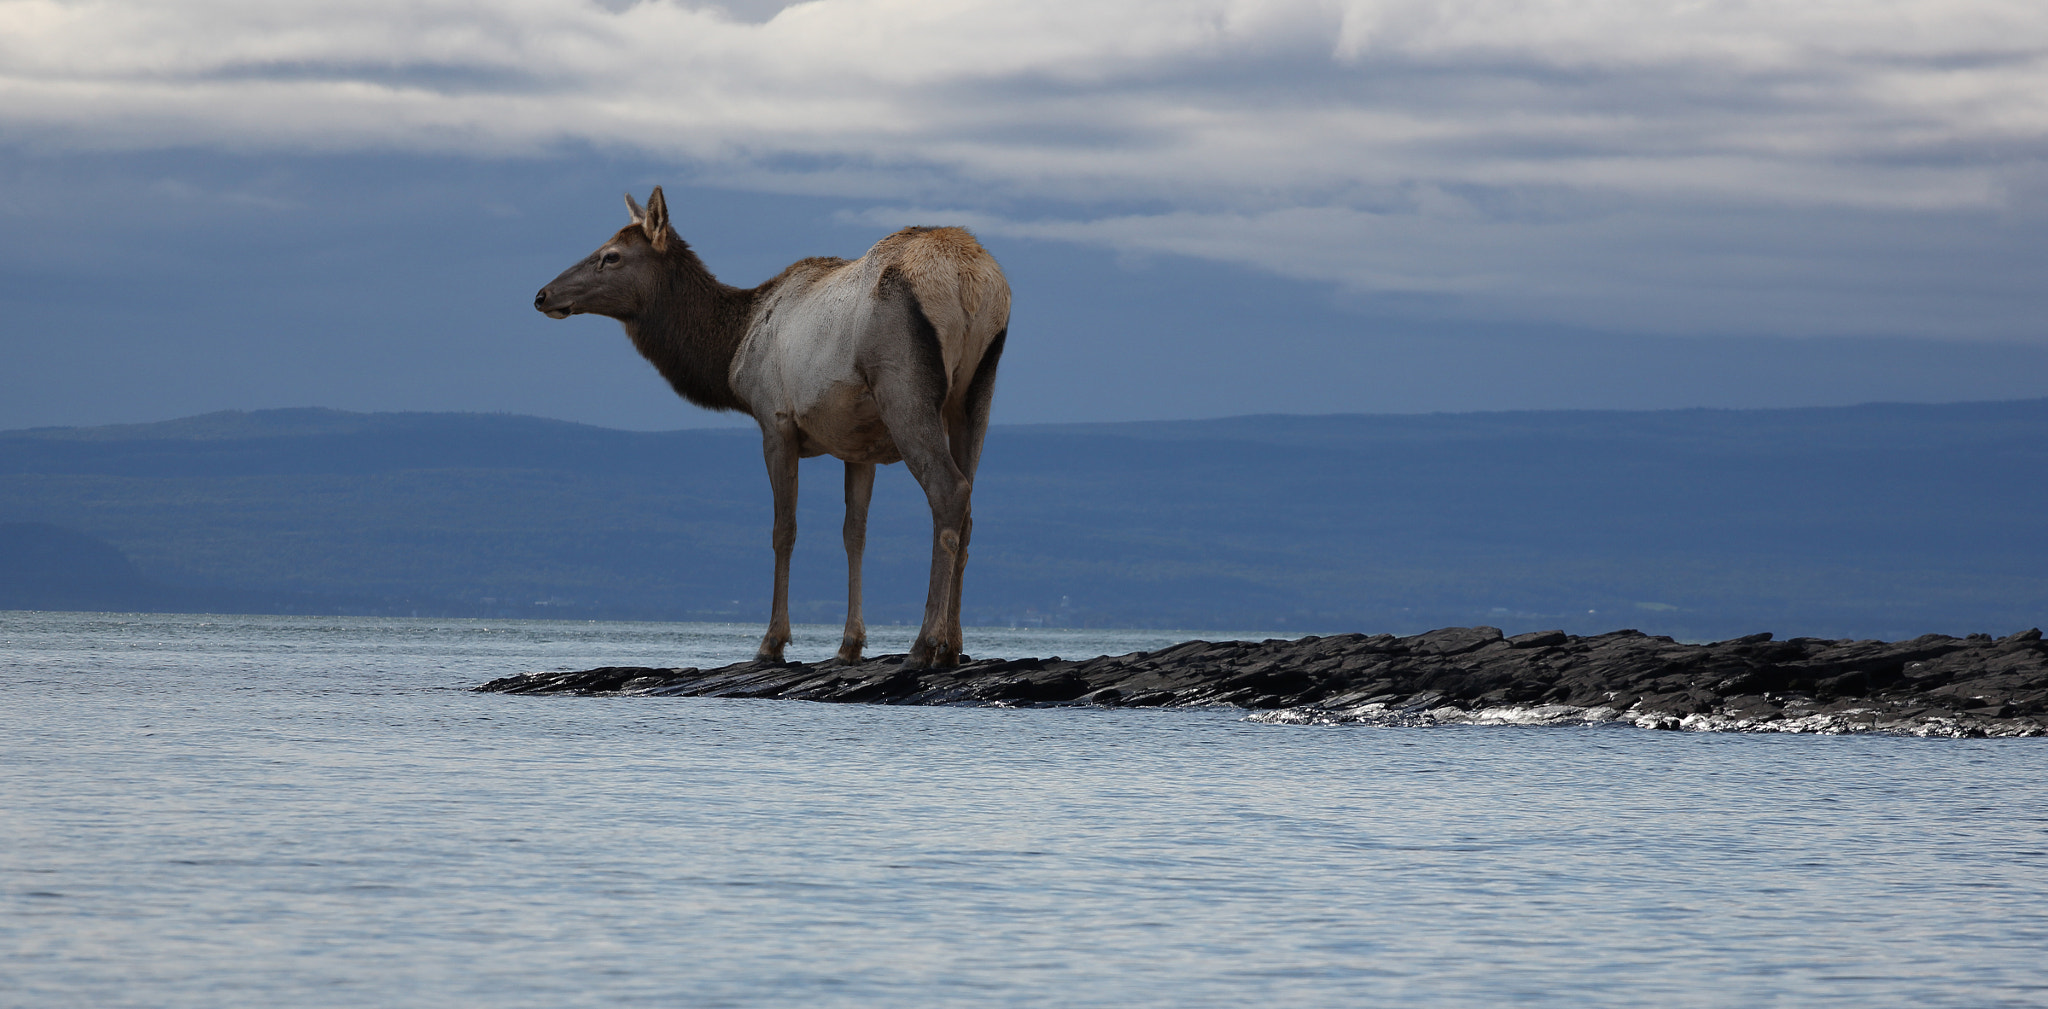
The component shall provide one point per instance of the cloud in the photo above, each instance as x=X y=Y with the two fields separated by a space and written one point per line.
x=1696 y=166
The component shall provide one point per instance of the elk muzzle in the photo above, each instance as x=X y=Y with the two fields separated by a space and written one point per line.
x=540 y=304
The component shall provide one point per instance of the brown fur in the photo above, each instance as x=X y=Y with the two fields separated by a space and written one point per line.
x=690 y=333
x=890 y=356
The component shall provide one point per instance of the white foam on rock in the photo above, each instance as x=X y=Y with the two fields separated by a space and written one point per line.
x=1854 y=720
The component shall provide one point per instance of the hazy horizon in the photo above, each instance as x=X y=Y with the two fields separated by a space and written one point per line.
x=739 y=422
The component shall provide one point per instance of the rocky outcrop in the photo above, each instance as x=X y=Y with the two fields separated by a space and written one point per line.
x=1931 y=685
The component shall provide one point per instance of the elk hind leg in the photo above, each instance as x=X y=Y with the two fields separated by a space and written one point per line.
x=908 y=379
x=914 y=424
x=946 y=490
x=860 y=487
x=965 y=429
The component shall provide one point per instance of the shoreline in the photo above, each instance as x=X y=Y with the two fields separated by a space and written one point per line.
x=1933 y=685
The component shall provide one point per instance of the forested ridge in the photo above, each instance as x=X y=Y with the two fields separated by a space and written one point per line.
x=1871 y=521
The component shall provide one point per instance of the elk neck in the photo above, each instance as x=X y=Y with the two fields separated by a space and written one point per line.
x=690 y=328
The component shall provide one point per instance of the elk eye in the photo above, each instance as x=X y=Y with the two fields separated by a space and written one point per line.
x=611 y=257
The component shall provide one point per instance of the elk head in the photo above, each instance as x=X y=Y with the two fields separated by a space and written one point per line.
x=623 y=275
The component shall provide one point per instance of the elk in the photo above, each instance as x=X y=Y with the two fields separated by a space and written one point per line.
x=888 y=357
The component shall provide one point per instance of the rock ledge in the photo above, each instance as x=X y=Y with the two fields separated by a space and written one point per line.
x=1933 y=685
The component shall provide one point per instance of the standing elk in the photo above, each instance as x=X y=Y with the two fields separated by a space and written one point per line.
x=888 y=357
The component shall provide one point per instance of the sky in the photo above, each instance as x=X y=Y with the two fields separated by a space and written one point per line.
x=1204 y=208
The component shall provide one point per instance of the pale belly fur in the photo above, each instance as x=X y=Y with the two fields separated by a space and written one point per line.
x=842 y=421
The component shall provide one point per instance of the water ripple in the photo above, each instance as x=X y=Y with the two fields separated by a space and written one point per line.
x=229 y=811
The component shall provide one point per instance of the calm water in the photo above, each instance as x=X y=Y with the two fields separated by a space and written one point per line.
x=271 y=811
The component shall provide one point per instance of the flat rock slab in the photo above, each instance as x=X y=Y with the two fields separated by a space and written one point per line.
x=1934 y=685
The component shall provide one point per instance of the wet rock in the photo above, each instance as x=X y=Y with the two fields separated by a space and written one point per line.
x=1153 y=699
x=1538 y=639
x=1931 y=685
x=1452 y=640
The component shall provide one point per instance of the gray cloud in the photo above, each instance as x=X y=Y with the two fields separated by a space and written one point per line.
x=1813 y=168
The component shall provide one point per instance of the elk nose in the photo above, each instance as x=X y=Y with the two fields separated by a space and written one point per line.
x=540 y=301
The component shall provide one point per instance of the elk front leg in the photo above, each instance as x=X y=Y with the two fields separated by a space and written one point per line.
x=779 y=449
x=860 y=487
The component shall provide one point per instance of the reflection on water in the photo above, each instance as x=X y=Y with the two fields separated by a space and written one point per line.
x=265 y=811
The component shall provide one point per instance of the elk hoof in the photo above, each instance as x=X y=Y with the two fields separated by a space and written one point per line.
x=849 y=652
x=926 y=655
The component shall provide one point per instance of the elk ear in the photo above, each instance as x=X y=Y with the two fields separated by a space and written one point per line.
x=655 y=221
x=633 y=207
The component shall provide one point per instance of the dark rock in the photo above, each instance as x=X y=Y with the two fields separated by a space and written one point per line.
x=1060 y=686
x=1852 y=684
x=1933 y=684
x=1538 y=639
x=1452 y=640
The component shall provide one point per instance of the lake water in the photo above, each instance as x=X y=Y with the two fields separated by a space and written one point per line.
x=276 y=811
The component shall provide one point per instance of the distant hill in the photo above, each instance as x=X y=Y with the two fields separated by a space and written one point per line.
x=1871 y=521
x=50 y=567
